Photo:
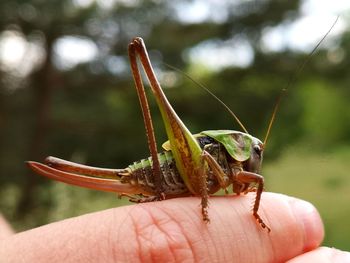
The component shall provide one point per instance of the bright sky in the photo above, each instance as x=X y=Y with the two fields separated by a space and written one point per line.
x=317 y=17
x=70 y=51
x=16 y=53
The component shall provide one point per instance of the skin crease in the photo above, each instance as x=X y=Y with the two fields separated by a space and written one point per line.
x=173 y=231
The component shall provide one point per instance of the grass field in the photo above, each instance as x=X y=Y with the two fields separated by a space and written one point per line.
x=322 y=179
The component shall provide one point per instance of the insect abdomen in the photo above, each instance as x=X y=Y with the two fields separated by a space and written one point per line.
x=142 y=175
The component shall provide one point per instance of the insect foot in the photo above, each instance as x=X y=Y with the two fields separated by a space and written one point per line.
x=261 y=222
x=205 y=215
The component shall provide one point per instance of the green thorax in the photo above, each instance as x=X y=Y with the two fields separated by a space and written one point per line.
x=236 y=143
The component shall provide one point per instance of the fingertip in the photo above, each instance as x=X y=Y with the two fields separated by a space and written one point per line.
x=323 y=255
x=311 y=222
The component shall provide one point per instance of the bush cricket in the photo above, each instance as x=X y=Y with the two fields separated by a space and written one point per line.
x=189 y=165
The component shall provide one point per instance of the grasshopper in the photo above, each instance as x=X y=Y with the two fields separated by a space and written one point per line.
x=190 y=165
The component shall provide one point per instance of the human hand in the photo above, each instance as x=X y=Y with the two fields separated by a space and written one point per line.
x=173 y=231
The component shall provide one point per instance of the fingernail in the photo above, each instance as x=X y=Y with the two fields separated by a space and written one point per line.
x=311 y=222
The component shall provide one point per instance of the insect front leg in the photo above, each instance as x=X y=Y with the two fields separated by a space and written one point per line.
x=249 y=178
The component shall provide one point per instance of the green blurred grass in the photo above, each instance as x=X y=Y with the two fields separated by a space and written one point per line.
x=320 y=178
x=56 y=201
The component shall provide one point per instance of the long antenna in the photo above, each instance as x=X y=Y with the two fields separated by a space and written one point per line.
x=292 y=80
x=211 y=93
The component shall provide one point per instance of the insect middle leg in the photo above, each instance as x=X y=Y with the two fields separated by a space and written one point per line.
x=218 y=173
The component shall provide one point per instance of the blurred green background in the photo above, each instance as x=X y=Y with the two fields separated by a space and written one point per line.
x=66 y=90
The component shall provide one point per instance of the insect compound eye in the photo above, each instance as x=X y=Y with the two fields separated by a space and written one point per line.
x=257 y=150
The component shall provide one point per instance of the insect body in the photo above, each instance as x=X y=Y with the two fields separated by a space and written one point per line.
x=191 y=165
x=139 y=175
x=233 y=151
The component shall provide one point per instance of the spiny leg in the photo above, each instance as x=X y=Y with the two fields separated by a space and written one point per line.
x=204 y=192
x=76 y=168
x=184 y=146
x=135 y=48
x=97 y=183
x=218 y=173
x=248 y=177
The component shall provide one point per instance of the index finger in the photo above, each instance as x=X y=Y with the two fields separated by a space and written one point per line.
x=173 y=230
